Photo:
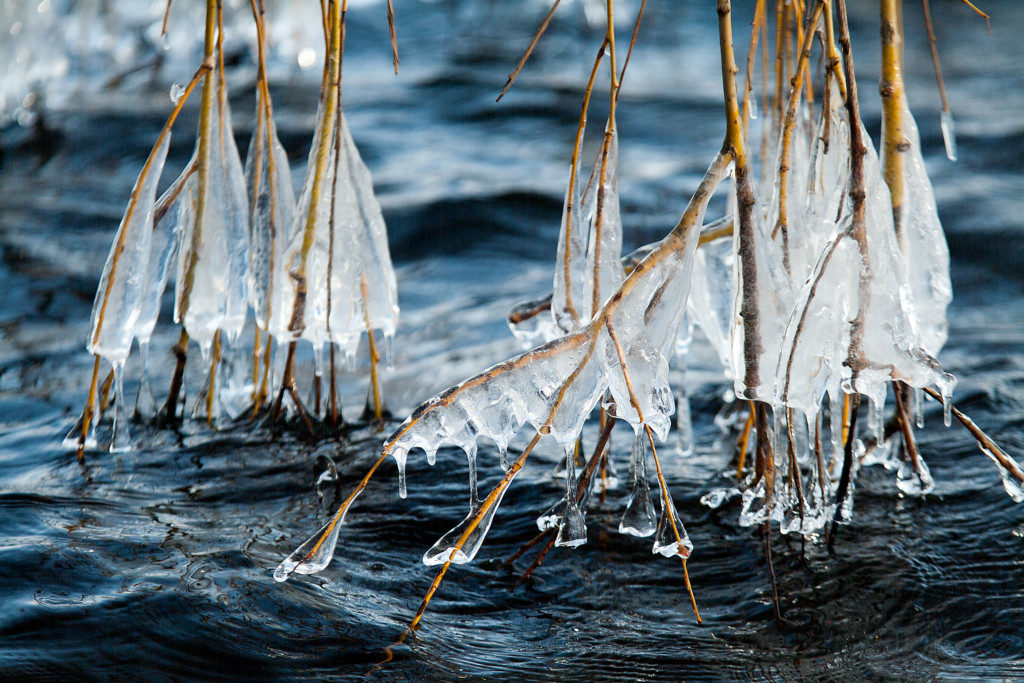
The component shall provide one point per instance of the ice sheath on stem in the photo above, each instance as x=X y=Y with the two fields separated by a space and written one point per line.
x=339 y=278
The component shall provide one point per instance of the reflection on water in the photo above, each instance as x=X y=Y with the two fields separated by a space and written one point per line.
x=160 y=560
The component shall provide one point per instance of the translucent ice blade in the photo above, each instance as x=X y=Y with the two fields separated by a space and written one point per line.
x=922 y=243
x=161 y=256
x=119 y=295
x=362 y=262
x=445 y=548
x=711 y=294
x=948 y=134
x=272 y=210
x=231 y=199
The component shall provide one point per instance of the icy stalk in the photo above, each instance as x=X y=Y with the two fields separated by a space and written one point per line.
x=337 y=280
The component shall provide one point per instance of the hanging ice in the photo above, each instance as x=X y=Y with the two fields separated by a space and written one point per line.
x=272 y=213
x=202 y=278
x=762 y=304
x=923 y=244
x=350 y=280
x=122 y=288
x=854 y=322
x=639 y=518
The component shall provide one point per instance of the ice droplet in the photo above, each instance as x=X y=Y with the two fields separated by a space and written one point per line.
x=918 y=395
x=550 y=518
x=313 y=555
x=948 y=134
x=572 y=528
x=666 y=542
x=444 y=549
x=177 y=92
x=912 y=482
x=684 y=423
x=715 y=497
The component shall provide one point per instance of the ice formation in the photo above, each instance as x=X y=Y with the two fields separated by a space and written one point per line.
x=923 y=244
x=587 y=268
x=214 y=231
x=554 y=388
x=338 y=246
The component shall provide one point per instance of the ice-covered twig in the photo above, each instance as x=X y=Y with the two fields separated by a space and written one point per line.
x=788 y=126
x=110 y=272
x=1009 y=470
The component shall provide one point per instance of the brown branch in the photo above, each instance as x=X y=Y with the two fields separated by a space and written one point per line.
x=529 y=50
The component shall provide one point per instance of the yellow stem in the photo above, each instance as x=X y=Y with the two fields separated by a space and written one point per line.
x=890 y=86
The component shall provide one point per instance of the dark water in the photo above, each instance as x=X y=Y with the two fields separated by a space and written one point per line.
x=157 y=564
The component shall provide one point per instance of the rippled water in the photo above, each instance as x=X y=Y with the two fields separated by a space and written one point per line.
x=158 y=563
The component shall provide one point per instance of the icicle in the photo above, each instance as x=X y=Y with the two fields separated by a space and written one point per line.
x=388 y=344
x=875 y=420
x=835 y=423
x=122 y=438
x=948 y=134
x=666 y=542
x=753 y=108
x=318 y=374
x=474 y=501
x=946 y=391
x=572 y=528
x=918 y=403
x=639 y=517
x=399 y=456
x=444 y=549
x=684 y=422
x=145 y=401
x=503 y=458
